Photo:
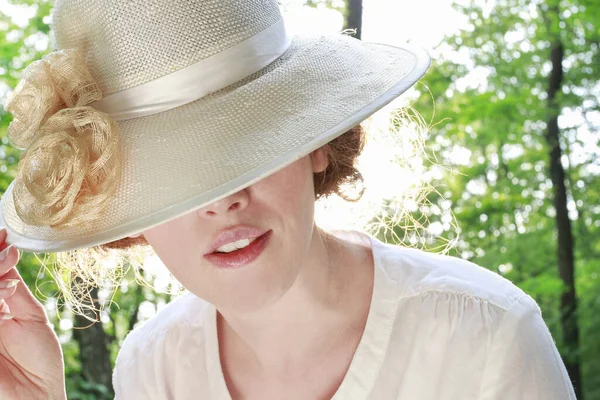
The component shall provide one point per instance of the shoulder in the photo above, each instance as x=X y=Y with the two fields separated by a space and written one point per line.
x=420 y=273
x=152 y=353
x=186 y=311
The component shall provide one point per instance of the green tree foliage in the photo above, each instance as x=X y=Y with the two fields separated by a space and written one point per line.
x=490 y=84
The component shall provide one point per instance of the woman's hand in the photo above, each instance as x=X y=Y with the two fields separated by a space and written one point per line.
x=31 y=361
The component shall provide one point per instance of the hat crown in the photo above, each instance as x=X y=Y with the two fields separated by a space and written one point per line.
x=128 y=43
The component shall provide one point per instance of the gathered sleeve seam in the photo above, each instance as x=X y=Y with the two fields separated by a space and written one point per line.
x=469 y=295
x=493 y=335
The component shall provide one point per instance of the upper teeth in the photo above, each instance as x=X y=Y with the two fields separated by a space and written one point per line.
x=229 y=247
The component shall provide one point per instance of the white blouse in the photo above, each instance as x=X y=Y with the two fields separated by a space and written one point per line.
x=439 y=328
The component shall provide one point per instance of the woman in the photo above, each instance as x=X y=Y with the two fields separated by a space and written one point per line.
x=206 y=131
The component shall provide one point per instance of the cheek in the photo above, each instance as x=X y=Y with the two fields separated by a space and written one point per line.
x=291 y=190
x=291 y=200
x=164 y=237
x=288 y=196
x=174 y=245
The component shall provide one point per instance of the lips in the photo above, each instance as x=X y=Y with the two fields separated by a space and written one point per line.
x=234 y=234
x=240 y=257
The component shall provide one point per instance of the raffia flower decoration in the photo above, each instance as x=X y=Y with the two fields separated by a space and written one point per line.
x=71 y=164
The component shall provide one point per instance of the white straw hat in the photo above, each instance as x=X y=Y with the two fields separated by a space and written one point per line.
x=203 y=97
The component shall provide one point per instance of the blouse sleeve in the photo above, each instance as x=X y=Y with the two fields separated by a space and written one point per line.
x=128 y=375
x=523 y=363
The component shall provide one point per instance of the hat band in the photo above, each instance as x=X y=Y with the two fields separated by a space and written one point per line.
x=197 y=80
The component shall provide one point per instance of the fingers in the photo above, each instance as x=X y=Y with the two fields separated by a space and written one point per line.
x=9 y=255
x=8 y=259
x=23 y=304
x=5 y=313
x=7 y=289
x=15 y=293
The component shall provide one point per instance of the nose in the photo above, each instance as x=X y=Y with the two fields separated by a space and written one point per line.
x=232 y=203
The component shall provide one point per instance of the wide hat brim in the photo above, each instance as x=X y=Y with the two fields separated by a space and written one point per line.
x=182 y=159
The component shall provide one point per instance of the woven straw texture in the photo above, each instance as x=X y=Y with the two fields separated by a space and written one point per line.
x=181 y=159
x=129 y=42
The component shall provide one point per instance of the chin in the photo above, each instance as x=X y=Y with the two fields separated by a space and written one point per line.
x=241 y=292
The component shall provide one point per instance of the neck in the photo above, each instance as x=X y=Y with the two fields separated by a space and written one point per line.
x=325 y=308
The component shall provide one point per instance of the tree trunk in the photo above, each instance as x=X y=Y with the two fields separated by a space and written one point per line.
x=565 y=243
x=354 y=17
x=139 y=298
x=94 y=350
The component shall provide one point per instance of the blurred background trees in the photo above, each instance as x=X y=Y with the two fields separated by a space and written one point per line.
x=513 y=100
x=522 y=111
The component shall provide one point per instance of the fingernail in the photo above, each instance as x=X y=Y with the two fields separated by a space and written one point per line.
x=8 y=283
x=6 y=315
x=4 y=252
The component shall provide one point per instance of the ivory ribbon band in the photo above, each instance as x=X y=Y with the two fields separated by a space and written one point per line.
x=197 y=80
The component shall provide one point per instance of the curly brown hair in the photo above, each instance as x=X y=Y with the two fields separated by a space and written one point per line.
x=339 y=176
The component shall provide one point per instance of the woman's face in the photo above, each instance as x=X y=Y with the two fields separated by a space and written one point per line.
x=278 y=209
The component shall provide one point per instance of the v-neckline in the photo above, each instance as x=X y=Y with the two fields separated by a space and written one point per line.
x=370 y=352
